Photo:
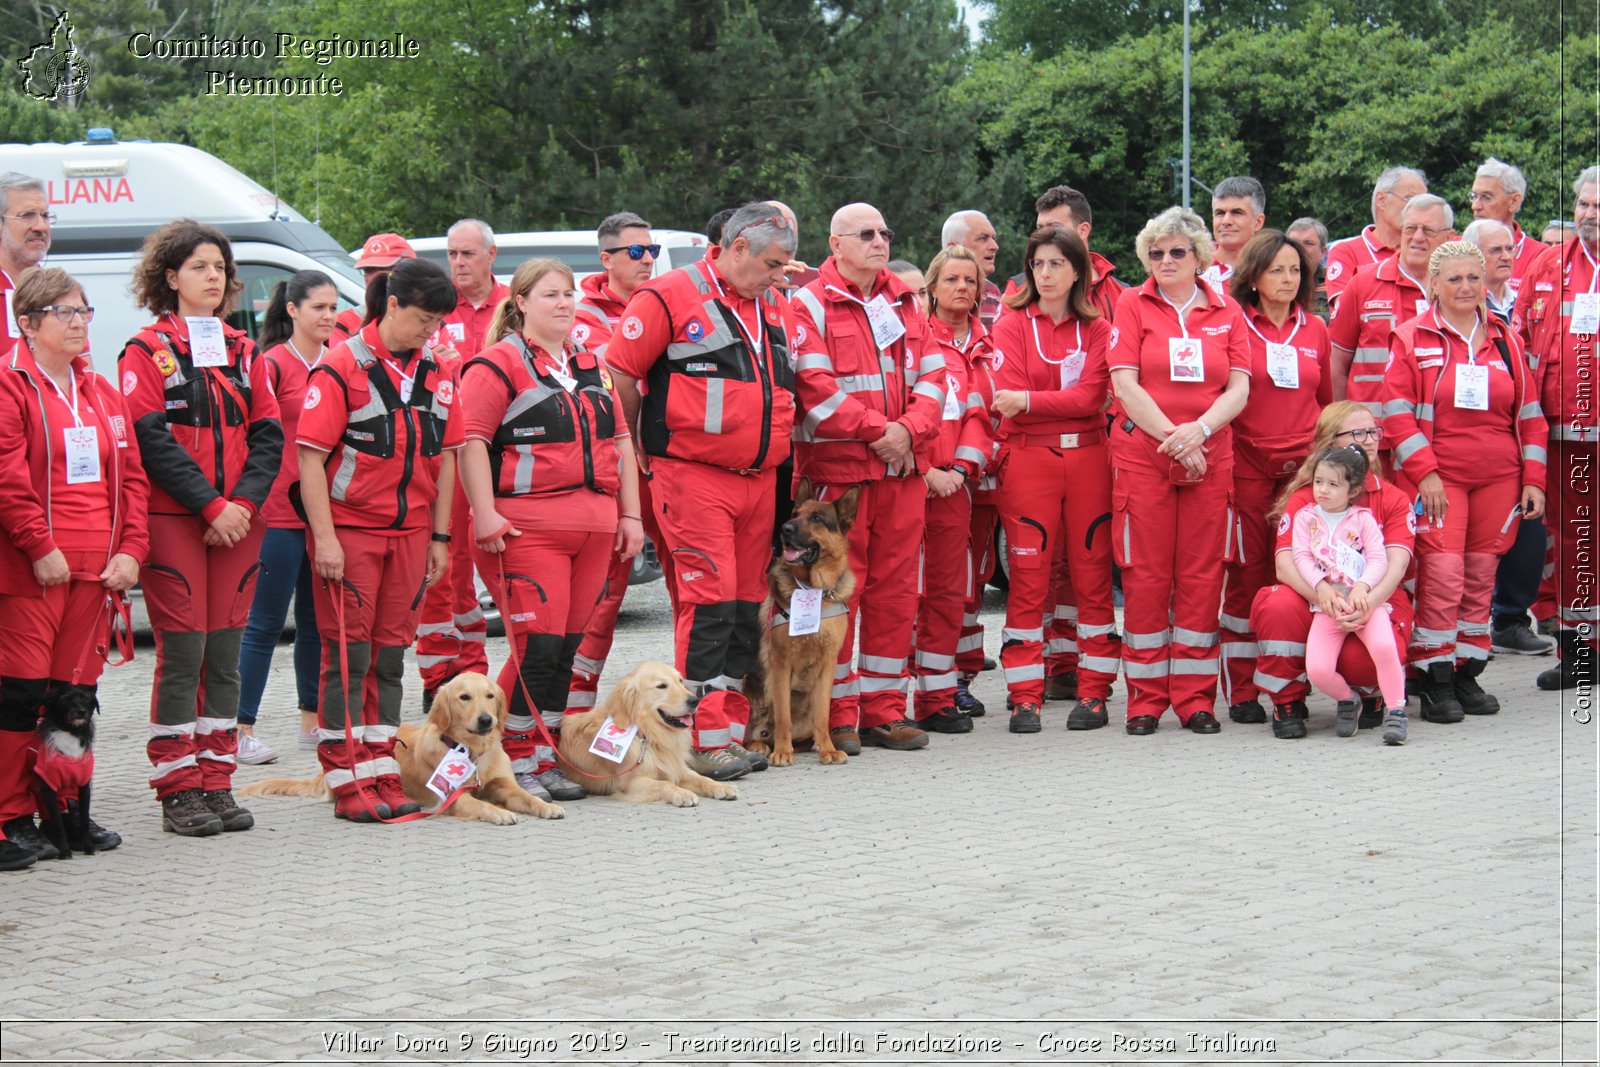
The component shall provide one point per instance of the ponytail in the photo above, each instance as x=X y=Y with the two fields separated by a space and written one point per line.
x=507 y=320
x=277 y=326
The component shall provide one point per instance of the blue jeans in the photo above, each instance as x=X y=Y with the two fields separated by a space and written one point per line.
x=286 y=574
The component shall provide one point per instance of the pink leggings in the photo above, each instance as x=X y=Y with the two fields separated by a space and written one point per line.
x=1322 y=657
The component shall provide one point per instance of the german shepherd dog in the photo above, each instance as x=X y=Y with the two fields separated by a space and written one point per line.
x=790 y=688
x=64 y=763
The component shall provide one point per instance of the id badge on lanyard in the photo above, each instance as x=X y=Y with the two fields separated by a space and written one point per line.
x=886 y=325
x=1187 y=360
x=1585 y=313
x=207 y=347
x=83 y=454
x=1283 y=366
x=1472 y=387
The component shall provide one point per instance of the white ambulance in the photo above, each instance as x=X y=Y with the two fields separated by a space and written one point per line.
x=108 y=196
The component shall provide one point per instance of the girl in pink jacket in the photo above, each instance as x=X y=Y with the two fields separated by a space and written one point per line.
x=1339 y=551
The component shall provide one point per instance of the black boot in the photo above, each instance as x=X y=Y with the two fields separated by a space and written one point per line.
x=1437 y=691
x=1474 y=701
x=1576 y=666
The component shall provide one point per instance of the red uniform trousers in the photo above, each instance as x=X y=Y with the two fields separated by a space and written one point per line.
x=1570 y=481
x=548 y=581
x=883 y=555
x=1057 y=501
x=1171 y=543
x=1253 y=498
x=1281 y=619
x=946 y=588
x=49 y=643
x=379 y=601
x=198 y=598
x=590 y=660
x=1456 y=564
x=969 y=649
x=1061 y=619
x=451 y=629
x=718 y=529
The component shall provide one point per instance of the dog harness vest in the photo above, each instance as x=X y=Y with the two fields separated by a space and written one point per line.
x=64 y=774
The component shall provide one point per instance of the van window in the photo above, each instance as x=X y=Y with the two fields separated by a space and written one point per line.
x=259 y=280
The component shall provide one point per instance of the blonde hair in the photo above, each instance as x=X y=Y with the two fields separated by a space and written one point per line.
x=508 y=318
x=1457 y=249
x=1177 y=222
x=1329 y=423
x=961 y=252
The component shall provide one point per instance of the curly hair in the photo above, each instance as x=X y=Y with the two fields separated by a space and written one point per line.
x=166 y=250
x=1177 y=222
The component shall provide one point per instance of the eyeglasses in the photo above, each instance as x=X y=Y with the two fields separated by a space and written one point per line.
x=1479 y=198
x=1176 y=254
x=1366 y=433
x=1041 y=265
x=33 y=218
x=1429 y=231
x=635 y=251
x=866 y=236
x=65 y=312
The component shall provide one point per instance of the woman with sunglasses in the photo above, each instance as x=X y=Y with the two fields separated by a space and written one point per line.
x=1290 y=381
x=1280 y=615
x=211 y=440
x=1180 y=367
x=72 y=507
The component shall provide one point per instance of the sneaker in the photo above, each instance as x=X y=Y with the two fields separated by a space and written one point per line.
x=1025 y=718
x=1286 y=725
x=559 y=787
x=22 y=833
x=187 y=813
x=1089 y=713
x=1346 y=716
x=13 y=857
x=1248 y=712
x=392 y=793
x=253 y=750
x=222 y=804
x=901 y=735
x=1518 y=639
x=1394 y=726
x=1063 y=686
x=946 y=721
x=965 y=702
x=98 y=839
x=846 y=740
x=530 y=784
x=756 y=760
x=308 y=740
x=362 y=805
x=1371 y=714
x=718 y=764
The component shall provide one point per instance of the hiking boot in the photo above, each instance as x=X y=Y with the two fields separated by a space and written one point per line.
x=1576 y=666
x=1437 y=691
x=718 y=764
x=1248 y=712
x=186 y=812
x=1345 y=717
x=1063 y=686
x=1025 y=718
x=361 y=805
x=222 y=804
x=1371 y=714
x=846 y=740
x=988 y=663
x=1518 y=639
x=756 y=760
x=1474 y=701
x=22 y=833
x=530 y=784
x=13 y=857
x=901 y=735
x=946 y=721
x=394 y=795
x=98 y=839
x=1089 y=713
x=1286 y=725
x=965 y=703
x=1394 y=726
x=253 y=750
x=558 y=786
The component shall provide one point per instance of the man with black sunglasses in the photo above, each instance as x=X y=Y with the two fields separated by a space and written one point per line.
x=25 y=221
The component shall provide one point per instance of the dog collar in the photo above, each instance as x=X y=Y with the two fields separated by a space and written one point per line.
x=831 y=610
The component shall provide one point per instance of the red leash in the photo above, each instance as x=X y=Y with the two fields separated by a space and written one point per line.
x=105 y=634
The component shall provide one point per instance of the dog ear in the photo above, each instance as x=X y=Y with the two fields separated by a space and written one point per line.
x=501 y=707
x=802 y=492
x=845 y=508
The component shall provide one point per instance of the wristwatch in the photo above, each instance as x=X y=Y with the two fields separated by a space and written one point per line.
x=443 y=539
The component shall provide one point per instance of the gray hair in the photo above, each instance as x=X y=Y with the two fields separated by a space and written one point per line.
x=758 y=224
x=612 y=225
x=1391 y=178
x=1509 y=177
x=25 y=183
x=1477 y=232
x=1590 y=176
x=1309 y=223
x=483 y=230
x=1423 y=201
x=1177 y=222
x=1233 y=188
x=956 y=227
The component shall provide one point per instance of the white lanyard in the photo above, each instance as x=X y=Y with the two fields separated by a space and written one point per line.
x=301 y=356
x=1076 y=348
x=72 y=404
x=1183 y=327
x=1470 y=340
x=1299 y=320
x=1420 y=287
x=406 y=380
x=1373 y=252
x=759 y=340
x=1594 y=268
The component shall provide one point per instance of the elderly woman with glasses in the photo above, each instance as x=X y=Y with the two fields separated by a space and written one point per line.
x=1180 y=368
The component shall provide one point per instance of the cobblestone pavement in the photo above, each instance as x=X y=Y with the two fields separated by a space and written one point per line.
x=1083 y=897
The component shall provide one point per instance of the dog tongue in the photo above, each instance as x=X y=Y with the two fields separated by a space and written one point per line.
x=791 y=555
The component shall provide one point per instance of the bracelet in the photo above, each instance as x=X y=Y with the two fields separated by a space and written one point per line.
x=443 y=539
x=635 y=518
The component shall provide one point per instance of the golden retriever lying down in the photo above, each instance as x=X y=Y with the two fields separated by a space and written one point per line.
x=469 y=709
x=656 y=766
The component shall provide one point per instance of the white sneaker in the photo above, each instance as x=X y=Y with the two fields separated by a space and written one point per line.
x=253 y=750
x=308 y=740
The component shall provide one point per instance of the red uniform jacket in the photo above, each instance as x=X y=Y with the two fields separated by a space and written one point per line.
x=1380 y=298
x=850 y=390
x=1062 y=368
x=1527 y=251
x=1104 y=291
x=599 y=311
x=1561 y=359
x=966 y=437
x=286 y=374
x=1274 y=431
x=1348 y=256
x=1389 y=504
x=208 y=435
x=345 y=326
x=467 y=326
x=31 y=462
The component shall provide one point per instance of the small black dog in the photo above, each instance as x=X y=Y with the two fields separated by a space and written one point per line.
x=64 y=763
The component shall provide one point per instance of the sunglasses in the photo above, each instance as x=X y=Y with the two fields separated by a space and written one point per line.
x=866 y=236
x=1175 y=254
x=635 y=251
